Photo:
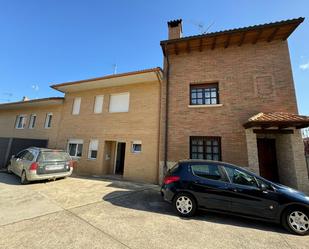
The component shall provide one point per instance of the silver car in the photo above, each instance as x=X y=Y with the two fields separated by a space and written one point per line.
x=39 y=163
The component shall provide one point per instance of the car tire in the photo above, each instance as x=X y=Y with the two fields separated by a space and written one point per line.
x=185 y=204
x=23 y=178
x=296 y=220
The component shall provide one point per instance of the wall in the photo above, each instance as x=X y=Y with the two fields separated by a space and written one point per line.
x=252 y=79
x=8 y=119
x=140 y=123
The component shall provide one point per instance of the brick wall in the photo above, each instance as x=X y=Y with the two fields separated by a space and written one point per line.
x=8 y=119
x=252 y=78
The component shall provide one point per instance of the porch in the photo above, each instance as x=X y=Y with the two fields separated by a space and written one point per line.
x=275 y=148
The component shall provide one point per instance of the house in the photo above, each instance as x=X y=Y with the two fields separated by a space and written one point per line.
x=230 y=96
x=110 y=125
x=225 y=95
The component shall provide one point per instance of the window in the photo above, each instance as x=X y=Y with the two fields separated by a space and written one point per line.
x=98 y=104
x=119 y=102
x=205 y=148
x=75 y=147
x=48 y=120
x=136 y=146
x=32 y=121
x=20 y=122
x=206 y=94
x=208 y=171
x=28 y=156
x=93 y=149
x=76 y=105
x=241 y=177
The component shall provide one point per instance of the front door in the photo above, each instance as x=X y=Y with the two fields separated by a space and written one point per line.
x=248 y=198
x=120 y=155
x=267 y=159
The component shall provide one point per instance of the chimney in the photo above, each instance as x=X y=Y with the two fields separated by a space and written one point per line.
x=25 y=98
x=174 y=29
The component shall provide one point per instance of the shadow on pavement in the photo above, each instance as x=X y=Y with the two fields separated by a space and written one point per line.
x=150 y=200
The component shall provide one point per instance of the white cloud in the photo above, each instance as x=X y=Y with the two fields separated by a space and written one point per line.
x=304 y=66
x=35 y=87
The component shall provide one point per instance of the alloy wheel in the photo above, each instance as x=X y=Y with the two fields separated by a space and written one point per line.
x=184 y=204
x=298 y=221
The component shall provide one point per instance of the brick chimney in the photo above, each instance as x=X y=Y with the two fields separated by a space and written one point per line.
x=174 y=29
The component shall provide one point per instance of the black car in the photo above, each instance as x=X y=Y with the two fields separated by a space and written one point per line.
x=223 y=187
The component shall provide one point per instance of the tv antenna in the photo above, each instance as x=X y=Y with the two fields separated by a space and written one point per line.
x=203 y=29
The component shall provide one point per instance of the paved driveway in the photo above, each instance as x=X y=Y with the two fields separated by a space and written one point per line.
x=101 y=213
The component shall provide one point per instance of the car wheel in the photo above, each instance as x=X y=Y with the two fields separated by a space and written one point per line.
x=9 y=169
x=23 y=178
x=296 y=220
x=184 y=204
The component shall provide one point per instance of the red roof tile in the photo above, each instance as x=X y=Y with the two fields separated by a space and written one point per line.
x=278 y=118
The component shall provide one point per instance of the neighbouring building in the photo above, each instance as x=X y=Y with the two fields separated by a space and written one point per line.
x=230 y=96
x=110 y=125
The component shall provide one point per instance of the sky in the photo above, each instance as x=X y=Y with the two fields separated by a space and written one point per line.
x=55 y=41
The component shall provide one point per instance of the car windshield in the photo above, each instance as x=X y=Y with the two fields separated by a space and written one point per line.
x=54 y=156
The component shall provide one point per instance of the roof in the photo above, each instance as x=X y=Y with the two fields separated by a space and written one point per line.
x=141 y=76
x=32 y=103
x=280 y=119
x=280 y=30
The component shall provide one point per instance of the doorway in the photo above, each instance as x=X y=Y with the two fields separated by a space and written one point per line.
x=120 y=155
x=268 y=159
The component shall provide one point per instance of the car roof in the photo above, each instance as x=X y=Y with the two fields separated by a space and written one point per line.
x=43 y=149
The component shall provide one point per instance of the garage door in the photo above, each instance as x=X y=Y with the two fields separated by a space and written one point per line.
x=11 y=146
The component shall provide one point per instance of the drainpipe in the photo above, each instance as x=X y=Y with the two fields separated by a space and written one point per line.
x=167 y=73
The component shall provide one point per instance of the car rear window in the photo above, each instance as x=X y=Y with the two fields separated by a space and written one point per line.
x=54 y=156
x=174 y=168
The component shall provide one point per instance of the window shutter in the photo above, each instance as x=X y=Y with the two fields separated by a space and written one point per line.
x=76 y=106
x=119 y=102
x=94 y=144
x=98 y=104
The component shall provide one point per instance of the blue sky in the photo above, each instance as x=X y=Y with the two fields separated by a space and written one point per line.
x=53 y=41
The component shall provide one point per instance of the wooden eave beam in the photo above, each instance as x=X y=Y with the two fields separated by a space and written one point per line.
x=272 y=35
x=257 y=36
x=201 y=45
x=272 y=131
x=227 y=42
x=213 y=46
x=241 y=41
x=188 y=47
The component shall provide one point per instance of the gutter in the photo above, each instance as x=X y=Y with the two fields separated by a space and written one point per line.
x=167 y=73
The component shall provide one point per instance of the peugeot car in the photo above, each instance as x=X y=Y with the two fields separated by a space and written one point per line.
x=39 y=163
x=222 y=187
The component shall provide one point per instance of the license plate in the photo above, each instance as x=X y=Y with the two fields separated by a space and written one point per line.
x=54 y=167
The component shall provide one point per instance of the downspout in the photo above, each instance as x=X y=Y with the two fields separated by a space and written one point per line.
x=167 y=73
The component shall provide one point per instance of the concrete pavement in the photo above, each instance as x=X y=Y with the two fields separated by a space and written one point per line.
x=101 y=213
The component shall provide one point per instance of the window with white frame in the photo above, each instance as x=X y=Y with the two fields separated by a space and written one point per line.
x=48 y=120
x=93 y=149
x=20 y=122
x=75 y=147
x=136 y=146
x=76 y=105
x=119 y=102
x=98 y=104
x=32 y=121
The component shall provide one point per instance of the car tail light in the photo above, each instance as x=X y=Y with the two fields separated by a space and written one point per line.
x=171 y=179
x=34 y=166
x=70 y=163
